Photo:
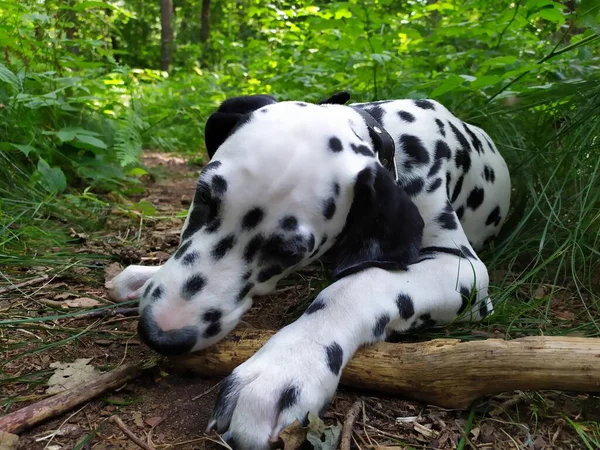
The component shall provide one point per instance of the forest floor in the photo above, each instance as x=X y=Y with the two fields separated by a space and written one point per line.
x=171 y=410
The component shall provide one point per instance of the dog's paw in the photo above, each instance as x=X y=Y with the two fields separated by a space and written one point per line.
x=127 y=285
x=284 y=381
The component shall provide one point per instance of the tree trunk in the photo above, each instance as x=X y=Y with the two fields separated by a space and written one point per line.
x=205 y=23
x=166 y=34
x=72 y=30
x=443 y=372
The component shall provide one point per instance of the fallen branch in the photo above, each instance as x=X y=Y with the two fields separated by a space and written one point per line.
x=444 y=372
x=117 y=420
x=14 y=287
x=108 y=313
x=346 y=440
x=58 y=404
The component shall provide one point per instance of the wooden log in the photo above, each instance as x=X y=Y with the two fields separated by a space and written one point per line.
x=443 y=372
x=62 y=402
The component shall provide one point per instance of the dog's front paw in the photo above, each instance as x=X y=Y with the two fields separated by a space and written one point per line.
x=127 y=285
x=284 y=381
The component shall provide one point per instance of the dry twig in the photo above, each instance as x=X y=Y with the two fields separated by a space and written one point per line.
x=14 y=287
x=349 y=425
x=117 y=420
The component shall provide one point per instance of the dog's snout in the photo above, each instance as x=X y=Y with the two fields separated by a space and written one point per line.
x=168 y=343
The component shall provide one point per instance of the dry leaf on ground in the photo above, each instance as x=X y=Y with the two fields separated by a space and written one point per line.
x=293 y=436
x=82 y=302
x=112 y=270
x=69 y=375
x=8 y=441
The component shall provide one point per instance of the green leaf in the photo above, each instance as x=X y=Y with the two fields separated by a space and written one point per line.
x=553 y=15
x=91 y=141
x=7 y=76
x=137 y=172
x=485 y=81
x=343 y=13
x=25 y=149
x=145 y=207
x=52 y=178
x=500 y=61
x=451 y=83
x=380 y=58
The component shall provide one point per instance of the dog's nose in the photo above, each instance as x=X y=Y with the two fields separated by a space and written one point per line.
x=168 y=343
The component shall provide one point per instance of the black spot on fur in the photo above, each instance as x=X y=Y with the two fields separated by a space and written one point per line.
x=190 y=259
x=213 y=226
x=315 y=306
x=212 y=330
x=211 y=166
x=467 y=252
x=196 y=220
x=457 y=188
x=435 y=185
x=192 y=286
x=446 y=218
x=288 y=398
x=182 y=249
x=377 y=112
x=414 y=187
x=406 y=116
x=414 y=148
x=442 y=150
x=463 y=159
x=252 y=218
x=212 y=315
x=148 y=289
x=158 y=292
x=467 y=299
x=483 y=311
x=464 y=143
x=329 y=208
x=380 y=325
x=426 y=321
x=488 y=174
x=223 y=246
x=448 y=180
x=244 y=292
x=475 y=198
x=405 y=305
x=247 y=275
x=441 y=128
x=460 y=212
x=253 y=247
x=490 y=145
x=285 y=250
x=268 y=273
x=289 y=223
x=494 y=217
x=336 y=189
x=310 y=244
x=226 y=402
x=424 y=104
x=474 y=139
x=335 y=145
x=219 y=185
x=335 y=357
x=302 y=104
x=362 y=150
x=435 y=168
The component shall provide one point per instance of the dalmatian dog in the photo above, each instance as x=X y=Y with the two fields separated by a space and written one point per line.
x=397 y=195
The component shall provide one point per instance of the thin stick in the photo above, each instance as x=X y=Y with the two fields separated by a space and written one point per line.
x=108 y=313
x=117 y=420
x=14 y=287
x=349 y=425
x=58 y=404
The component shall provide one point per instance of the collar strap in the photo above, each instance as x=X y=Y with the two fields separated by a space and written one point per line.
x=382 y=141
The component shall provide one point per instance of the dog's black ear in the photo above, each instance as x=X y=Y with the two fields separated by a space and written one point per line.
x=339 y=98
x=232 y=113
x=383 y=229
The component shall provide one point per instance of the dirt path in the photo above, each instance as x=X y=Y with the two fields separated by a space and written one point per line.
x=170 y=410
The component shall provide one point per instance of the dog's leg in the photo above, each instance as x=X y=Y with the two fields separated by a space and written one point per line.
x=298 y=369
x=127 y=285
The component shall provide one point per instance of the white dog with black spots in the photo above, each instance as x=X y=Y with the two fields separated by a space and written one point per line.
x=292 y=182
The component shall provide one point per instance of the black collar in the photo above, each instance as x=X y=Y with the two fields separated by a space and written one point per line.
x=382 y=141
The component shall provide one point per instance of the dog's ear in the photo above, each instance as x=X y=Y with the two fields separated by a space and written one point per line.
x=383 y=228
x=339 y=98
x=232 y=113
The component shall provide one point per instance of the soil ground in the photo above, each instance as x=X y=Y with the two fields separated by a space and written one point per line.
x=170 y=410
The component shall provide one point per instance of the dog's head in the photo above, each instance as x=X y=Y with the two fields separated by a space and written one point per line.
x=287 y=183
